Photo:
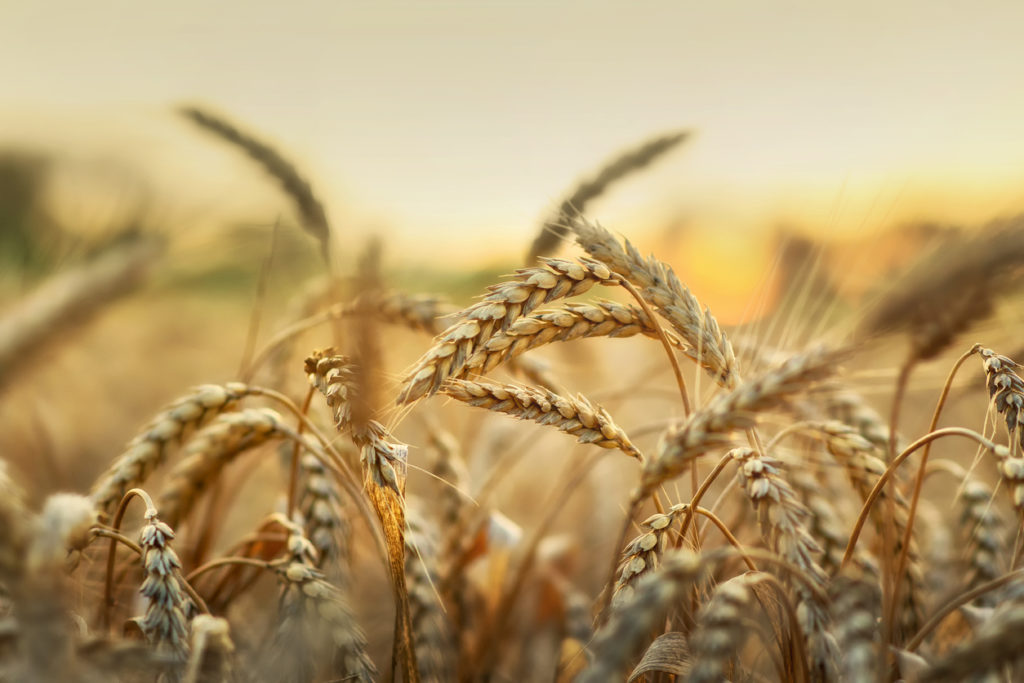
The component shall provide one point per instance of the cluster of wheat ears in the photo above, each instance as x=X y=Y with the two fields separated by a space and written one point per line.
x=775 y=529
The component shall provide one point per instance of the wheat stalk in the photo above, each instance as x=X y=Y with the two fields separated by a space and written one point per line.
x=643 y=554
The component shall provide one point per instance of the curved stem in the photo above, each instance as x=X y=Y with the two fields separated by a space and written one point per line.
x=703 y=490
x=222 y=561
x=733 y=541
x=958 y=602
x=891 y=469
x=782 y=597
x=115 y=526
x=901 y=562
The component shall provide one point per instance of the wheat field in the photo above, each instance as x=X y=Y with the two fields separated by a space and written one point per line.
x=354 y=475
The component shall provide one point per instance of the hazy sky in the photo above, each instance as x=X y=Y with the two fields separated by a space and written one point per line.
x=454 y=125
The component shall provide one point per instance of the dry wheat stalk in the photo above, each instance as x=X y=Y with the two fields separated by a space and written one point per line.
x=501 y=306
x=431 y=631
x=313 y=610
x=643 y=554
x=165 y=624
x=633 y=620
x=150 y=447
x=856 y=609
x=311 y=211
x=572 y=320
x=320 y=504
x=785 y=526
x=722 y=626
x=706 y=343
x=712 y=427
x=213 y=652
x=575 y=416
x=984 y=547
x=210 y=450
x=629 y=161
x=70 y=299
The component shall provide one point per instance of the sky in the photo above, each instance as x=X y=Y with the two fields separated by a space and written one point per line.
x=452 y=127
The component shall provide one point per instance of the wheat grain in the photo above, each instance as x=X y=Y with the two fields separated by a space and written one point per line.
x=643 y=554
x=856 y=609
x=721 y=630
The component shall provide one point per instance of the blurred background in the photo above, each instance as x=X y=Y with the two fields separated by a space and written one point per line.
x=849 y=132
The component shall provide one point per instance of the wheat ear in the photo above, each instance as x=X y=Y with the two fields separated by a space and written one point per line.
x=712 y=427
x=150 y=447
x=629 y=161
x=575 y=416
x=165 y=623
x=311 y=211
x=501 y=306
x=572 y=320
x=706 y=344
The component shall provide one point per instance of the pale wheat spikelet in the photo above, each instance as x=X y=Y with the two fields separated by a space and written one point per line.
x=632 y=621
x=334 y=376
x=721 y=629
x=713 y=426
x=311 y=211
x=642 y=555
x=210 y=450
x=572 y=320
x=314 y=612
x=856 y=610
x=320 y=503
x=575 y=416
x=150 y=447
x=213 y=652
x=165 y=624
x=996 y=644
x=431 y=632
x=984 y=548
x=1006 y=389
x=627 y=162
x=501 y=306
x=784 y=524
x=706 y=344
